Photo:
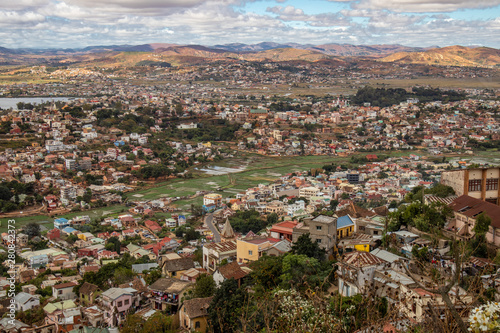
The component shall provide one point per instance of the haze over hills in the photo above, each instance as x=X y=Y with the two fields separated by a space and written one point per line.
x=129 y=55
x=451 y=55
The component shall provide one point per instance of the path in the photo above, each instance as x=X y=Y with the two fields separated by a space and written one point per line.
x=209 y=221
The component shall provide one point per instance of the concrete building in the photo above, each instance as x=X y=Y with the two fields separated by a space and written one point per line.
x=308 y=192
x=478 y=183
x=212 y=199
x=322 y=229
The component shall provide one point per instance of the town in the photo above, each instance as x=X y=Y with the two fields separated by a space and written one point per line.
x=197 y=199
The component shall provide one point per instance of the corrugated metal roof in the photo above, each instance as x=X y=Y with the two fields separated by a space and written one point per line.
x=386 y=255
x=344 y=221
x=362 y=259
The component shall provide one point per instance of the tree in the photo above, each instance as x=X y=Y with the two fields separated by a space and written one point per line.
x=266 y=271
x=226 y=307
x=159 y=322
x=272 y=218
x=478 y=243
x=444 y=286
x=204 y=287
x=333 y=204
x=32 y=229
x=299 y=269
x=305 y=246
x=483 y=222
x=133 y=324
x=152 y=275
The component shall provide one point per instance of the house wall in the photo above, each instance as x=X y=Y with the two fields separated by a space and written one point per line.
x=64 y=293
x=28 y=305
x=246 y=252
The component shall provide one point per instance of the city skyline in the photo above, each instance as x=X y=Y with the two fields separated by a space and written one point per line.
x=81 y=23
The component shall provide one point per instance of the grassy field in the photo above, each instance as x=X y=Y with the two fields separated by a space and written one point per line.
x=48 y=222
x=260 y=170
x=479 y=83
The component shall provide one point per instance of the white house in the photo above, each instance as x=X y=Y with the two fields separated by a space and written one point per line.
x=25 y=301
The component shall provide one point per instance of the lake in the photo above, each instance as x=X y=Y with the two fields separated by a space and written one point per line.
x=7 y=103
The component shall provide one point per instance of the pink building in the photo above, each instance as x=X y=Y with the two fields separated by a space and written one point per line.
x=118 y=302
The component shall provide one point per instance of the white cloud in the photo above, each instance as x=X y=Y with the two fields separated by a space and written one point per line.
x=70 y=23
x=424 y=6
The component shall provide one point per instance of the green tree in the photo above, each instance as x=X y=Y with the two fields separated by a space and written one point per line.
x=333 y=204
x=152 y=275
x=32 y=229
x=226 y=307
x=133 y=324
x=483 y=222
x=272 y=219
x=204 y=287
x=159 y=322
x=299 y=269
x=304 y=246
x=266 y=271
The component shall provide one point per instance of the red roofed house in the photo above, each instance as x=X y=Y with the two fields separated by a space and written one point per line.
x=103 y=235
x=232 y=270
x=466 y=210
x=128 y=233
x=54 y=234
x=105 y=254
x=283 y=230
x=155 y=227
x=64 y=291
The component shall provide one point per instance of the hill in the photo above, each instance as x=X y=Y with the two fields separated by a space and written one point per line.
x=449 y=56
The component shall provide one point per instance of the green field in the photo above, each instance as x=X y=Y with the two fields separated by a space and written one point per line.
x=48 y=221
x=259 y=170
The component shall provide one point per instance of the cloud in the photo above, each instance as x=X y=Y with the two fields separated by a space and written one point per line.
x=424 y=6
x=291 y=13
x=134 y=4
x=77 y=23
x=16 y=19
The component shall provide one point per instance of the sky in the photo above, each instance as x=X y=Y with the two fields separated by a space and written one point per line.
x=82 y=23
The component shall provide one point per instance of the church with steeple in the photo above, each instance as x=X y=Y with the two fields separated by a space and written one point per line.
x=227 y=233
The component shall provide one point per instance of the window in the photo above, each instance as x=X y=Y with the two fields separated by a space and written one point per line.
x=474 y=185
x=250 y=252
x=126 y=302
x=491 y=184
x=59 y=292
x=119 y=304
x=318 y=227
x=197 y=324
x=318 y=240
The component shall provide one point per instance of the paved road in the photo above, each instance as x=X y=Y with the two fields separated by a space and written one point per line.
x=209 y=221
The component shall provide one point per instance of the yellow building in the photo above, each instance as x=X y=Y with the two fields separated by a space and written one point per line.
x=86 y=236
x=345 y=227
x=250 y=249
x=193 y=314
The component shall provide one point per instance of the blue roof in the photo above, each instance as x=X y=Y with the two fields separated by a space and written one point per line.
x=69 y=230
x=61 y=220
x=344 y=221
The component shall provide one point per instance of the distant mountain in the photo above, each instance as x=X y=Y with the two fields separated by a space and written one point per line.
x=130 y=55
x=350 y=50
x=329 y=49
x=449 y=56
x=264 y=46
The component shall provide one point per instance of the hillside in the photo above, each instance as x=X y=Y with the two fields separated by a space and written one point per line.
x=449 y=56
x=131 y=55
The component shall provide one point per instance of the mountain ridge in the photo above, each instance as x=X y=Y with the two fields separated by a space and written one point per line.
x=266 y=51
